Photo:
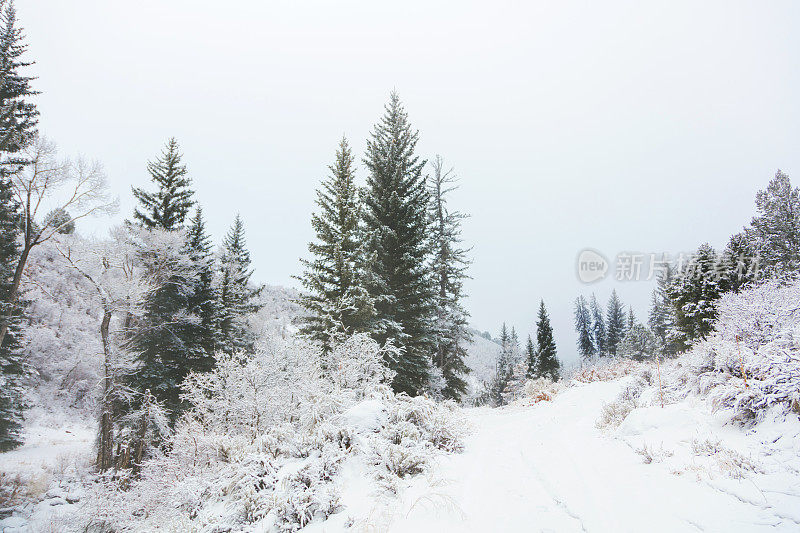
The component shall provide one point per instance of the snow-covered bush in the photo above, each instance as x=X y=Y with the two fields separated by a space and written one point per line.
x=542 y=389
x=605 y=369
x=751 y=361
x=263 y=446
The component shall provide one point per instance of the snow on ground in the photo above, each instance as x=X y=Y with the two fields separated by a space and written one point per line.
x=548 y=467
x=541 y=467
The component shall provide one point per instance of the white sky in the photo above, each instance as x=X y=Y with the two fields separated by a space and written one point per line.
x=634 y=125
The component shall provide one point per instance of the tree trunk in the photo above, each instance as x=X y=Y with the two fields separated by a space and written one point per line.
x=13 y=293
x=105 y=449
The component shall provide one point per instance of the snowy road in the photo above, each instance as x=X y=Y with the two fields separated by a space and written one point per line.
x=548 y=468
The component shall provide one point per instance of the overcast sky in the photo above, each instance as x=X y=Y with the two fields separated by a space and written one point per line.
x=643 y=126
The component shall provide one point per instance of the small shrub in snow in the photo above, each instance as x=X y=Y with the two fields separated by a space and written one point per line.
x=542 y=390
x=606 y=370
x=651 y=454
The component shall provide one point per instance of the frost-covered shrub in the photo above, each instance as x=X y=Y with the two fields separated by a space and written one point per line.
x=605 y=369
x=265 y=442
x=542 y=389
x=751 y=362
x=615 y=412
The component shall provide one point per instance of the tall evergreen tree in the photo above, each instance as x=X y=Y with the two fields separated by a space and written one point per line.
x=615 y=323
x=694 y=295
x=202 y=300
x=583 y=327
x=598 y=328
x=167 y=340
x=775 y=231
x=396 y=222
x=236 y=296
x=18 y=115
x=504 y=369
x=18 y=121
x=662 y=314
x=548 y=361
x=531 y=357
x=740 y=262
x=169 y=206
x=11 y=361
x=336 y=296
x=449 y=269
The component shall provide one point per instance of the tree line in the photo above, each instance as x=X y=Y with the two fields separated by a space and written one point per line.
x=683 y=307
x=515 y=366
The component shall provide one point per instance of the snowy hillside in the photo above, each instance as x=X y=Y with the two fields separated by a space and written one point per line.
x=481 y=359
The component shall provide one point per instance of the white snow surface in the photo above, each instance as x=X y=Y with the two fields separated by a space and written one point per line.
x=547 y=467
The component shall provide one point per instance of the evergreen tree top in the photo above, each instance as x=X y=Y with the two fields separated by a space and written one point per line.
x=197 y=239
x=18 y=118
x=168 y=207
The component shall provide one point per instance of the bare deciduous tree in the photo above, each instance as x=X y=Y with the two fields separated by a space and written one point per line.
x=122 y=279
x=76 y=187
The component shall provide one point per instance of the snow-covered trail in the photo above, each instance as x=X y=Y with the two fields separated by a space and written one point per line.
x=548 y=468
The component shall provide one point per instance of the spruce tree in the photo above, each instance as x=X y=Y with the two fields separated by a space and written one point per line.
x=236 y=296
x=449 y=267
x=531 y=358
x=202 y=301
x=739 y=262
x=18 y=121
x=11 y=360
x=775 y=231
x=168 y=207
x=166 y=339
x=598 y=328
x=694 y=294
x=397 y=228
x=662 y=314
x=503 y=369
x=549 y=366
x=583 y=327
x=336 y=297
x=18 y=115
x=615 y=323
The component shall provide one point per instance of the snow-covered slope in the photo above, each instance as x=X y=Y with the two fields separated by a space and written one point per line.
x=481 y=359
x=548 y=467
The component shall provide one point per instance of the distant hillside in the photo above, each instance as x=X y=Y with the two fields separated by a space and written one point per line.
x=481 y=359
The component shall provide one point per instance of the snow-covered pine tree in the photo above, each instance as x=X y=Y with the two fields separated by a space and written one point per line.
x=202 y=299
x=639 y=343
x=662 y=314
x=11 y=360
x=336 y=297
x=449 y=264
x=694 y=294
x=18 y=121
x=549 y=365
x=165 y=337
x=503 y=369
x=583 y=327
x=615 y=323
x=598 y=328
x=18 y=115
x=775 y=231
x=739 y=262
x=59 y=218
x=168 y=207
x=398 y=246
x=236 y=296
x=531 y=359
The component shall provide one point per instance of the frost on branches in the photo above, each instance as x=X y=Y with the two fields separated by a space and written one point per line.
x=268 y=436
